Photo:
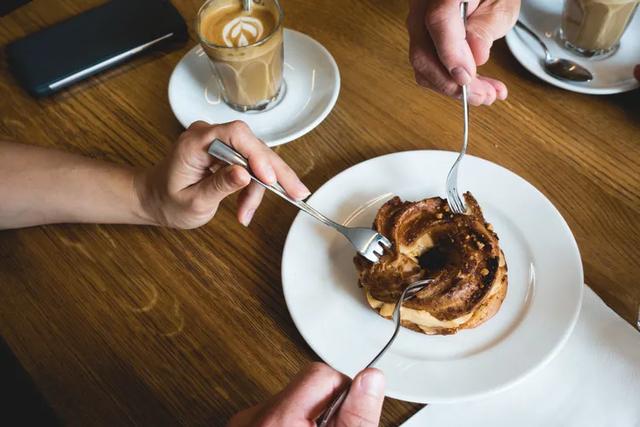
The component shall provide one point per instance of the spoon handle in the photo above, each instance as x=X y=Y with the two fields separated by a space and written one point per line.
x=528 y=30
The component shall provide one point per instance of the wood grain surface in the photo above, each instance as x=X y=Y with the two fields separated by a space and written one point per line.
x=124 y=325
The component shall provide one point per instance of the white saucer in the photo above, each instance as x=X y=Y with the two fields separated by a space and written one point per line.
x=538 y=314
x=312 y=86
x=611 y=75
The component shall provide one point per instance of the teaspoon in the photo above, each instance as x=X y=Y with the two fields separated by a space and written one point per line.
x=564 y=69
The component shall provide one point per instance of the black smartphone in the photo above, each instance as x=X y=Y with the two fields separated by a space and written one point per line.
x=72 y=50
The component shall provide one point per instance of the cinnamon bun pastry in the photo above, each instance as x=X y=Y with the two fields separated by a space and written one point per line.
x=460 y=252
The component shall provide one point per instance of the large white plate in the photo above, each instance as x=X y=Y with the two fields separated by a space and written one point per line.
x=611 y=75
x=312 y=84
x=535 y=320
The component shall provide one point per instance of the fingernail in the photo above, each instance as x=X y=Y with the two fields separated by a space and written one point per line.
x=270 y=175
x=461 y=76
x=372 y=383
x=247 y=217
x=303 y=190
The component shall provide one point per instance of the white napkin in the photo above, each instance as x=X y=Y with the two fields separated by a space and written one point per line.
x=593 y=381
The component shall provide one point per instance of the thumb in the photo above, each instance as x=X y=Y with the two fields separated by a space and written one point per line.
x=363 y=404
x=489 y=22
x=223 y=182
x=446 y=28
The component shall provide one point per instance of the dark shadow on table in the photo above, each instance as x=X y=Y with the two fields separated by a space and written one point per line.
x=630 y=103
x=20 y=402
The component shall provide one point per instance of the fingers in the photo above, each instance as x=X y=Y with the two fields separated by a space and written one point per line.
x=490 y=21
x=199 y=124
x=192 y=157
x=210 y=191
x=444 y=53
x=363 y=404
x=485 y=91
x=191 y=168
x=264 y=163
x=246 y=418
x=428 y=70
x=447 y=30
x=310 y=392
x=248 y=202
x=288 y=178
x=499 y=87
x=240 y=137
x=481 y=92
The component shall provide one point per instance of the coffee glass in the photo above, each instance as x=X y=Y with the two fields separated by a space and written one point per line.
x=245 y=49
x=595 y=27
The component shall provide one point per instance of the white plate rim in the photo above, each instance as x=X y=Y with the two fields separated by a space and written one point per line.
x=295 y=135
x=561 y=341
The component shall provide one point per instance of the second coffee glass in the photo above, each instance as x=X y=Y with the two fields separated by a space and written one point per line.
x=594 y=27
x=245 y=49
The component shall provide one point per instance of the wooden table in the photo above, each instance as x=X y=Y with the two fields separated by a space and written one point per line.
x=121 y=325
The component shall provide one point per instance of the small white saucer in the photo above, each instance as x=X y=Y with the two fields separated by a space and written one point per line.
x=312 y=85
x=613 y=74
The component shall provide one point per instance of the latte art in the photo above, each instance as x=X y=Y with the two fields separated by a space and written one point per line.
x=242 y=31
x=230 y=26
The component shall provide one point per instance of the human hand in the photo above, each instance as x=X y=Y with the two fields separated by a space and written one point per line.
x=185 y=189
x=444 y=55
x=309 y=394
x=636 y=72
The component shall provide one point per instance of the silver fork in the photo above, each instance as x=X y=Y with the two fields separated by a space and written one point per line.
x=456 y=203
x=408 y=293
x=366 y=241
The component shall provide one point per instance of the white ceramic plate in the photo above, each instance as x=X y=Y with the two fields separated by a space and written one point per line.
x=535 y=320
x=312 y=86
x=611 y=75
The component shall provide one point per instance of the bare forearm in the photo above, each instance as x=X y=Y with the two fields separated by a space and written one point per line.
x=44 y=186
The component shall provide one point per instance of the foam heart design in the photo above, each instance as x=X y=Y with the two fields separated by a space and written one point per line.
x=242 y=31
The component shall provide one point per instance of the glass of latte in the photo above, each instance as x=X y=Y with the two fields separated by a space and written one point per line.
x=595 y=27
x=245 y=50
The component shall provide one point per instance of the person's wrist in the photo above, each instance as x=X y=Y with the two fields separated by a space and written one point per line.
x=144 y=200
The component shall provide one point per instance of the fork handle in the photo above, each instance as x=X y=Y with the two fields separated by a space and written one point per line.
x=409 y=292
x=332 y=409
x=335 y=404
x=227 y=154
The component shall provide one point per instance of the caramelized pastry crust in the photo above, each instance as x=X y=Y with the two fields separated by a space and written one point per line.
x=460 y=252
